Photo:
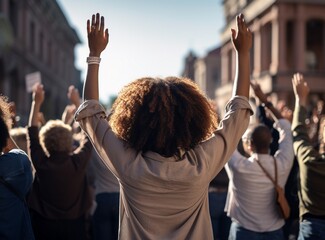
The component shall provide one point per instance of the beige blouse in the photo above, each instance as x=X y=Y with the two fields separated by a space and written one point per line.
x=165 y=198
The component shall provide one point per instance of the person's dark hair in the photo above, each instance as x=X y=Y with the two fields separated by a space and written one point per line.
x=4 y=133
x=4 y=121
x=261 y=137
x=162 y=115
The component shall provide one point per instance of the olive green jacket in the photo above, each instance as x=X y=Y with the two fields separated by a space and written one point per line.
x=311 y=165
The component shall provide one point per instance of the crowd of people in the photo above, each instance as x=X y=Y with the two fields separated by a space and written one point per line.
x=159 y=165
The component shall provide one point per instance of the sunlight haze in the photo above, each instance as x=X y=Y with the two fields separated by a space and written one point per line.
x=147 y=38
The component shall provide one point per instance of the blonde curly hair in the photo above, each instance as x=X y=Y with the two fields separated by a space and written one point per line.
x=5 y=110
x=56 y=136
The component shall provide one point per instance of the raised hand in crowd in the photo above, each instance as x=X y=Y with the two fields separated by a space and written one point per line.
x=69 y=111
x=242 y=42
x=97 y=42
x=300 y=89
x=74 y=96
x=97 y=35
x=38 y=99
x=262 y=97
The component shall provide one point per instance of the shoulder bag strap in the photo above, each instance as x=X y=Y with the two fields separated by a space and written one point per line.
x=275 y=171
x=12 y=189
x=267 y=174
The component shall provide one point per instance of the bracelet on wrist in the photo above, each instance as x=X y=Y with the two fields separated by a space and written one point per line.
x=93 y=60
x=267 y=104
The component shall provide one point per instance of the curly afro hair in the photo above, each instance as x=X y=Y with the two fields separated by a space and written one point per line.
x=162 y=115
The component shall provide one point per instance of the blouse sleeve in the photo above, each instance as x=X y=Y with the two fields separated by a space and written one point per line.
x=222 y=145
x=112 y=150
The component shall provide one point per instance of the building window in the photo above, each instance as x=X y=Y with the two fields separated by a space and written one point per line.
x=49 y=53
x=32 y=36
x=266 y=46
x=289 y=45
x=314 y=44
x=41 y=45
x=13 y=15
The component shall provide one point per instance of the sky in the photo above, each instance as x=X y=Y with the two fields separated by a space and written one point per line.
x=147 y=37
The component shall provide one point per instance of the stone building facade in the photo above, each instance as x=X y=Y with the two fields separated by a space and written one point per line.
x=189 y=70
x=204 y=71
x=207 y=72
x=36 y=36
x=288 y=37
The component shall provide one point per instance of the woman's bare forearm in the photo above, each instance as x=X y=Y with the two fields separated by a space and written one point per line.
x=242 y=77
x=90 y=90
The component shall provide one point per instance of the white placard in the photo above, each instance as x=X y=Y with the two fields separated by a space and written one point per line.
x=31 y=80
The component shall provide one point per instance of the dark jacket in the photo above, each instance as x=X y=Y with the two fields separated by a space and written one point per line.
x=15 y=169
x=60 y=189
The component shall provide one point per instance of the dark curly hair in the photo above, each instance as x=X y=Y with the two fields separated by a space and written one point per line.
x=162 y=115
x=5 y=121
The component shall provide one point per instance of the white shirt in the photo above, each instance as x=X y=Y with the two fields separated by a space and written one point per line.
x=251 y=195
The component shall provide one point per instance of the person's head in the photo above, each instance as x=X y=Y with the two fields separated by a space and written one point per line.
x=320 y=107
x=261 y=139
x=5 y=122
x=246 y=143
x=4 y=133
x=322 y=129
x=162 y=115
x=56 y=136
x=19 y=134
x=321 y=136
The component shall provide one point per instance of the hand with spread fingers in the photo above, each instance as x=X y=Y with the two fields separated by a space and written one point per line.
x=242 y=37
x=97 y=41
x=97 y=35
x=38 y=93
x=258 y=92
x=74 y=96
x=242 y=42
x=300 y=89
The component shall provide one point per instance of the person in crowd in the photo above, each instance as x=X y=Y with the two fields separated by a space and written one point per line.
x=313 y=122
x=162 y=142
x=105 y=219
x=19 y=135
x=291 y=227
x=60 y=197
x=105 y=211
x=311 y=165
x=15 y=182
x=251 y=201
